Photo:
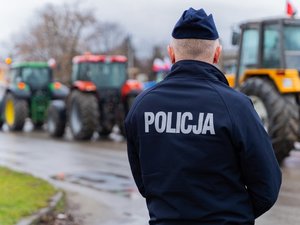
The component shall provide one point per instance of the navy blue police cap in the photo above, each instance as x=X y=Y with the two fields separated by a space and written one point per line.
x=195 y=24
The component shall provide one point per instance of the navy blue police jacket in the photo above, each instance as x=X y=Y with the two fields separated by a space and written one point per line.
x=198 y=151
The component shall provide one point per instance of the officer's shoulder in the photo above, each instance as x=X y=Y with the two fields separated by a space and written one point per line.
x=142 y=97
x=146 y=92
x=233 y=97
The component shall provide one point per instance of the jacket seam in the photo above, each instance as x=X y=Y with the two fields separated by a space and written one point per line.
x=224 y=102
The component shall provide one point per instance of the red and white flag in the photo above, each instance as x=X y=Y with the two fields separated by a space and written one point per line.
x=290 y=10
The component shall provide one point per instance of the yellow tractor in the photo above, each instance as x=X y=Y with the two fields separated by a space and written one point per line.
x=268 y=71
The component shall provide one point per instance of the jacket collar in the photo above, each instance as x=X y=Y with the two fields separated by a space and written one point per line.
x=198 y=69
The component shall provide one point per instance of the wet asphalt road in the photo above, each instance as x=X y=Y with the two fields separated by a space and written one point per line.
x=97 y=180
x=95 y=175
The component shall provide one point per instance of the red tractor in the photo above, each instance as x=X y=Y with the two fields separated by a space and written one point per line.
x=100 y=97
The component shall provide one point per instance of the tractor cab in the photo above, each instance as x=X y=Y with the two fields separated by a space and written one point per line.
x=273 y=46
x=107 y=73
x=37 y=75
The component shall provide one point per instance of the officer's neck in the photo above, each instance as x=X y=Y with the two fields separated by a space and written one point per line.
x=201 y=59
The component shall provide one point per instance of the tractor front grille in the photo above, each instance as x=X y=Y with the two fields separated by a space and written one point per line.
x=39 y=105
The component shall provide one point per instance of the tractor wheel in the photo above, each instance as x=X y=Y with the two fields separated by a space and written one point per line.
x=104 y=132
x=128 y=101
x=15 y=112
x=279 y=114
x=83 y=115
x=56 y=122
x=122 y=130
x=38 y=125
x=128 y=104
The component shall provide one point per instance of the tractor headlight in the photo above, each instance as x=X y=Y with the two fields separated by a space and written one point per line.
x=22 y=86
x=287 y=82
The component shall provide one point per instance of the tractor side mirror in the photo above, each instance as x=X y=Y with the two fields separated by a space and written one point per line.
x=235 y=39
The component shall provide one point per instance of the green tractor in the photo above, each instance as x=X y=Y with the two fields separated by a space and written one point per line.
x=28 y=92
x=99 y=99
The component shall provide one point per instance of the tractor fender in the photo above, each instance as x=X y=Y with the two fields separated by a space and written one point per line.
x=19 y=93
x=131 y=88
x=84 y=86
x=285 y=80
x=58 y=90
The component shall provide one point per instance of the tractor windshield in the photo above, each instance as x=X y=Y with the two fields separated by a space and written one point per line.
x=292 y=46
x=109 y=75
x=36 y=77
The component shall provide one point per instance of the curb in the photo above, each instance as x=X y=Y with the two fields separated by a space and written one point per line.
x=33 y=219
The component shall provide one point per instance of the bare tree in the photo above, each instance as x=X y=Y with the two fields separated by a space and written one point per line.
x=62 y=31
x=105 y=38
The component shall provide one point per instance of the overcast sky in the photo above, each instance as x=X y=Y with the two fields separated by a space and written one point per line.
x=149 y=21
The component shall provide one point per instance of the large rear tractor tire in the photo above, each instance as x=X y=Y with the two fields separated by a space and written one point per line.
x=279 y=114
x=128 y=104
x=56 y=121
x=15 y=112
x=83 y=115
x=1 y=122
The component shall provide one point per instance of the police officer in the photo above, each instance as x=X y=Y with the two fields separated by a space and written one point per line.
x=198 y=151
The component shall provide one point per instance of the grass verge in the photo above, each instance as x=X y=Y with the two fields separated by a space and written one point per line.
x=21 y=195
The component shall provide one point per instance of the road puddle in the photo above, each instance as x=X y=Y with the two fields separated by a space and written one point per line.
x=103 y=181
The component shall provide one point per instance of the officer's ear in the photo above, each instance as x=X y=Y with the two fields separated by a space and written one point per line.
x=217 y=54
x=171 y=54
